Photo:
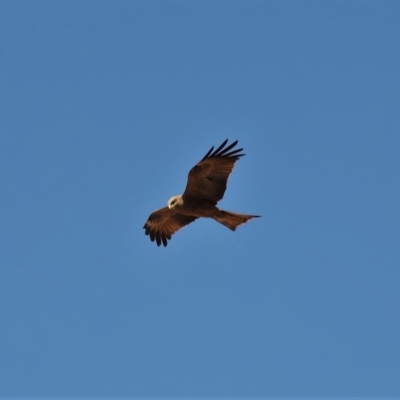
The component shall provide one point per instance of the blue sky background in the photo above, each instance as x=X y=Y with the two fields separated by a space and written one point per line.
x=105 y=106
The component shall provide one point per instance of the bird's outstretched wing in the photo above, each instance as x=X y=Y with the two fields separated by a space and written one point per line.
x=207 y=180
x=163 y=223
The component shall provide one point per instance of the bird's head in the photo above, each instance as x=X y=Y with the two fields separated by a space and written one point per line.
x=175 y=201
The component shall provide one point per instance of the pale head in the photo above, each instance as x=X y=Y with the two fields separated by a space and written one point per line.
x=175 y=201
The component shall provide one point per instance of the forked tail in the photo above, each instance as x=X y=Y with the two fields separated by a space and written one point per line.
x=232 y=220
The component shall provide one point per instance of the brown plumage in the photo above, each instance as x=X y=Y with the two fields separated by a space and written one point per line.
x=205 y=187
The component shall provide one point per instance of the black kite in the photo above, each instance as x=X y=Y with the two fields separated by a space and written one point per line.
x=205 y=187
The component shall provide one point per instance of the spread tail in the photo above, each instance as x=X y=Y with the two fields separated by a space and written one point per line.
x=232 y=220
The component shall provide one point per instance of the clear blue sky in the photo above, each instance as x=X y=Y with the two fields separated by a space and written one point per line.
x=105 y=106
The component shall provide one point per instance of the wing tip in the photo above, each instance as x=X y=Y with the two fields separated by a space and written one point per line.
x=155 y=236
x=222 y=151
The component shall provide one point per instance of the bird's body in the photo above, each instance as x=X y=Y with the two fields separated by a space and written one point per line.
x=206 y=186
x=197 y=207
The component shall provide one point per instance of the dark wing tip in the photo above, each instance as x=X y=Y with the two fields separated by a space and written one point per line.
x=223 y=151
x=208 y=153
x=222 y=146
x=156 y=236
x=159 y=238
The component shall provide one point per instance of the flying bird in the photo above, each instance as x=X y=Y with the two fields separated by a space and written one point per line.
x=206 y=185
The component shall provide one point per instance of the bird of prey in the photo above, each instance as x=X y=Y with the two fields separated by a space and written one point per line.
x=206 y=185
